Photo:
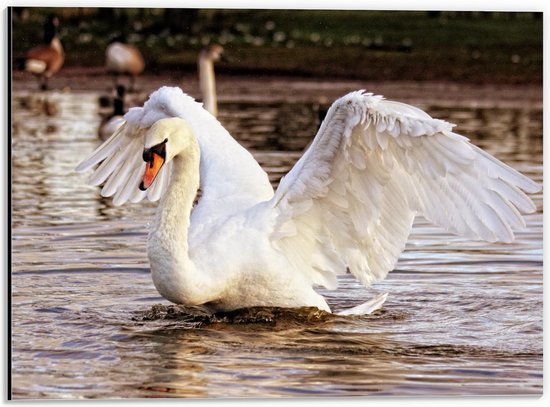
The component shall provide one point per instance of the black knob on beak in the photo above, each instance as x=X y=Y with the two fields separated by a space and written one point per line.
x=147 y=155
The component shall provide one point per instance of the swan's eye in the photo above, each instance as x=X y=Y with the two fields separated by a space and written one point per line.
x=147 y=155
x=158 y=149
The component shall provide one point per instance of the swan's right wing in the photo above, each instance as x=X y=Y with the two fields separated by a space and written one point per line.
x=350 y=201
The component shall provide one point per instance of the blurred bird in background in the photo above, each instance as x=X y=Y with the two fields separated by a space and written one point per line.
x=123 y=59
x=207 y=57
x=46 y=59
x=112 y=122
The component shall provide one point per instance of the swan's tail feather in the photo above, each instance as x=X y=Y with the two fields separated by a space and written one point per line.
x=367 y=307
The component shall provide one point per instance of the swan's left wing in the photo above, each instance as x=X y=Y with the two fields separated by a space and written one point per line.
x=350 y=201
x=121 y=158
x=231 y=179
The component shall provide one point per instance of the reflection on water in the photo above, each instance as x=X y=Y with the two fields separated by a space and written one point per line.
x=461 y=318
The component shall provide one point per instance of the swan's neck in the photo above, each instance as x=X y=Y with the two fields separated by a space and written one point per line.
x=174 y=210
x=208 y=84
x=173 y=271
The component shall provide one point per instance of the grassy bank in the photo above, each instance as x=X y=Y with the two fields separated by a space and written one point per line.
x=467 y=47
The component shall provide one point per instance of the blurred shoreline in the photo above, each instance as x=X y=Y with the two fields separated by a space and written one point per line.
x=460 y=47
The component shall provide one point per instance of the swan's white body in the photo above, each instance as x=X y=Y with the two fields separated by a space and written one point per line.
x=348 y=203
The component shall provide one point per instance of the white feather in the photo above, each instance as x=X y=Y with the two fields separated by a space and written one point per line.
x=413 y=164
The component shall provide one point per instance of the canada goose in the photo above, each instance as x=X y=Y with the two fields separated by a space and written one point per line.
x=46 y=59
x=207 y=57
x=347 y=204
x=123 y=59
x=112 y=122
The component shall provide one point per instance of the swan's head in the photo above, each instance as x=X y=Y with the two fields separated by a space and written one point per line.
x=214 y=53
x=164 y=140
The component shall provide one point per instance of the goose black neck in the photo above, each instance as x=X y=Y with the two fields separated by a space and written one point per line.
x=50 y=29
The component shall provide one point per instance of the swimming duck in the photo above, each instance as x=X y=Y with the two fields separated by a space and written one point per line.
x=112 y=122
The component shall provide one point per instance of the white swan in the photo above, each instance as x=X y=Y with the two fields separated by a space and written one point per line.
x=207 y=57
x=348 y=203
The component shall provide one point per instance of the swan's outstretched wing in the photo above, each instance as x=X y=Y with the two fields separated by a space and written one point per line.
x=228 y=172
x=350 y=201
x=122 y=167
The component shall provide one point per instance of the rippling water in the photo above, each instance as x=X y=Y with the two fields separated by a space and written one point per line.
x=462 y=317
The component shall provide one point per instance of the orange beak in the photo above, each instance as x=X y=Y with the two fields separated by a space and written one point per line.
x=152 y=168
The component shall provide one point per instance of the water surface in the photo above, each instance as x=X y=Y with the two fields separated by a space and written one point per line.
x=462 y=317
